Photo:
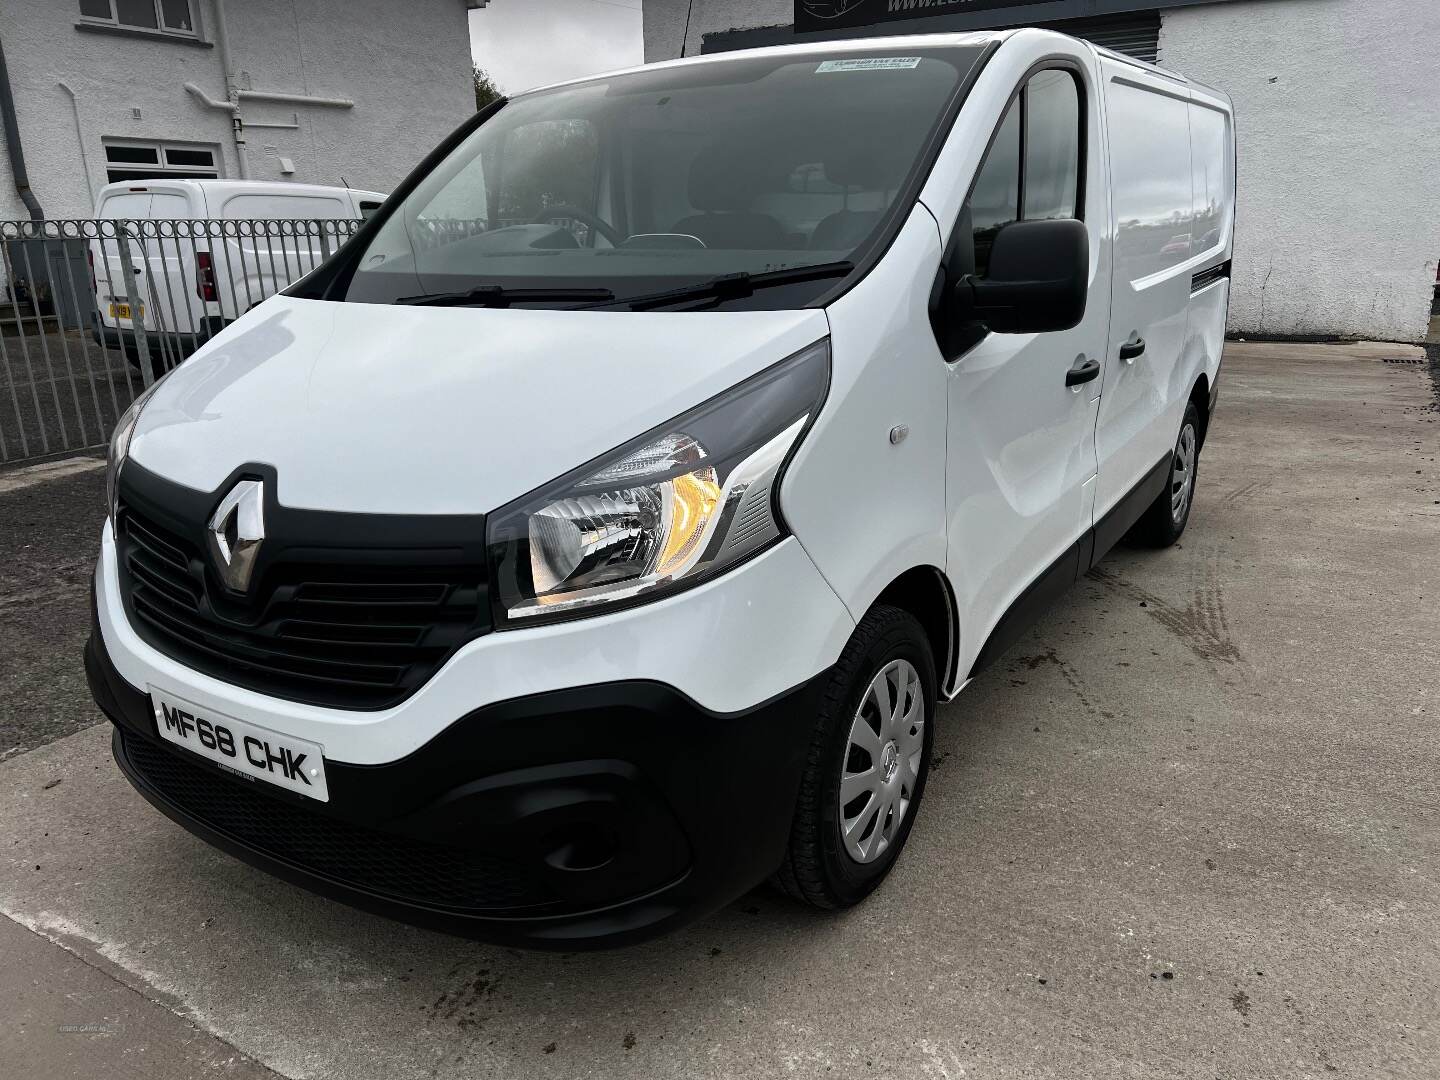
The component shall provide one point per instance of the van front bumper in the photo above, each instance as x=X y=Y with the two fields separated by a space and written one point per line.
x=590 y=816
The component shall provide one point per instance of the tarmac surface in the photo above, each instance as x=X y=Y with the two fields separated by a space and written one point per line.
x=59 y=391
x=1188 y=827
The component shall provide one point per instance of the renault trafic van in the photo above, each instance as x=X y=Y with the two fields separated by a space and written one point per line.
x=596 y=536
x=187 y=281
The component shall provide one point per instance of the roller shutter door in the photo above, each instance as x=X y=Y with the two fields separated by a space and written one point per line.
x=1136 y=35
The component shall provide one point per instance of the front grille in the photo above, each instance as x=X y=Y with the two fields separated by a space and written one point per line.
x=350 y=628
x=401 y=869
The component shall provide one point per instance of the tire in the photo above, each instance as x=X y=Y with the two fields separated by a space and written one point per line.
x=819 y=868
x=1165 y=519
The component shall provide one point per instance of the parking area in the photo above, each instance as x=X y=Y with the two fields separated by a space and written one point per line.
x=60 y=390
x=1188 y=827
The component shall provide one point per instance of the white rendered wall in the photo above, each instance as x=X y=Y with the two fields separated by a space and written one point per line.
x=1337 y=107
x=1338 y=113
x=665 y=22
x=405 y=65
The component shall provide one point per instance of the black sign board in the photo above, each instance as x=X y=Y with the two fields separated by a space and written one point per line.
x=813 y=15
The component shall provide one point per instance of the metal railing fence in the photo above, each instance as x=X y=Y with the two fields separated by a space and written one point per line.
x=92 y=311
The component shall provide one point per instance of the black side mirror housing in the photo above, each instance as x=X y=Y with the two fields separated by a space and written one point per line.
x=1037 y=283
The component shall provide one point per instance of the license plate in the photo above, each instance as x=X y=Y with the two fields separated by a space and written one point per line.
x=243 y=748
x=122 y=311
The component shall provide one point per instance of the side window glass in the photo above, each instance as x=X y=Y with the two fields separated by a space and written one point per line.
x=995 y=199
x=1052 y=146
x=1038 y=180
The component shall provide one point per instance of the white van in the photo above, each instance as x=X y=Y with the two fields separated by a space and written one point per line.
x=203 y=252
x=597 y=535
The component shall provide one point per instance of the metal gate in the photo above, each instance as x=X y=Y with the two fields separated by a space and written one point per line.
x=93 y=311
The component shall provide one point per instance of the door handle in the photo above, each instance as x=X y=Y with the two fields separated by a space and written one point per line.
x=1131 y=349
x=1082 y=372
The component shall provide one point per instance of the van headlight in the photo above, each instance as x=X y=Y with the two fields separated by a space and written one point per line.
x=663 y=512
x=120 y=446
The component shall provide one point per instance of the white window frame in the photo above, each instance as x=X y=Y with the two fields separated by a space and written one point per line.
x=158 y=28
x=162 y=155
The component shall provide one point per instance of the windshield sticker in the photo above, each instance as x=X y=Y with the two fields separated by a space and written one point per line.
x=869 y=63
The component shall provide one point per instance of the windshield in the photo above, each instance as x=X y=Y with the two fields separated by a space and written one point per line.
x=662 y=179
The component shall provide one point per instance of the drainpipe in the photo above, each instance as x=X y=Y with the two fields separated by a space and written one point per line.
x=12 y=144
x=234 y=95
x=237 y=125
x=80 y=138
x=222 y=44
x=206 y=99
x=294 y=99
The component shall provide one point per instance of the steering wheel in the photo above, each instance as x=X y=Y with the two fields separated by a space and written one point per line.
x=550 y=213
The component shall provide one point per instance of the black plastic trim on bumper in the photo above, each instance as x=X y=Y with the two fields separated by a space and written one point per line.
x=697 y=805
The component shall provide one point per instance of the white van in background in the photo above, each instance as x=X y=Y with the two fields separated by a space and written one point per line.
x=190 y=280
x=597 y=534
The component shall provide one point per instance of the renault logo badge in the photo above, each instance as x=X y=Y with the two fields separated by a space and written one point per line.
x=236 y=531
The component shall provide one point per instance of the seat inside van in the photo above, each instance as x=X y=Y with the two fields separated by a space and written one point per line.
x=858 y=171
x=732 y=196
x=723 y=190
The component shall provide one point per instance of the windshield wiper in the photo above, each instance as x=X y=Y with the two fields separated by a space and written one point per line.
x=725 y=287
x=498 y=296
x=734 y=286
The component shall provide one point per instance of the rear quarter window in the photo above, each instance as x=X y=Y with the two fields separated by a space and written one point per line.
x=126 y=204
x=169 y=206
x=260 y=206
x=1150 y=180
x=1211 y=157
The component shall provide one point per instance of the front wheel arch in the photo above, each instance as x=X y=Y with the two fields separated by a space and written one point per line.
x=925 y=592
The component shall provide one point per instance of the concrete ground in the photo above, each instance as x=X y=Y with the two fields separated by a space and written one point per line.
x=66 y=1016
x=50 y=517
x=1189 y=827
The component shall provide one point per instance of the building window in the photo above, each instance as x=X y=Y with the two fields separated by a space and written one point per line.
x=162 y=16
x=153 y=160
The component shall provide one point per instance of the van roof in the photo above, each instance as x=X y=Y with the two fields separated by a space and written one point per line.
x=222 y=188
x=891 y=41
x=1163 y=72
x=806 y=48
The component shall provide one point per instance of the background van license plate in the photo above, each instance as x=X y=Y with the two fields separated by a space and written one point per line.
x=252 y=751
x=122 y=311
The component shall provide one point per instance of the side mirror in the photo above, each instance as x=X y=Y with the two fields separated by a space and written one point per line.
x=1038 y=280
